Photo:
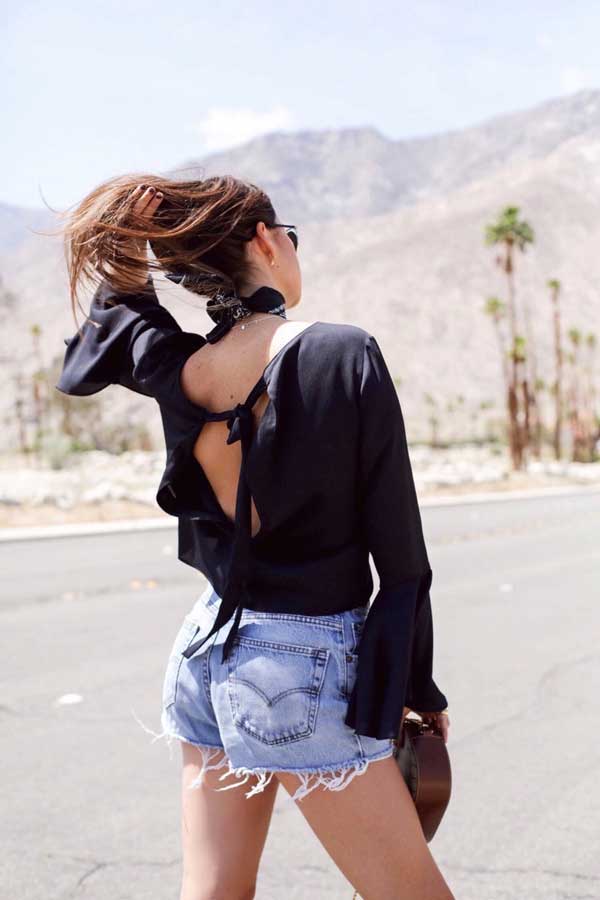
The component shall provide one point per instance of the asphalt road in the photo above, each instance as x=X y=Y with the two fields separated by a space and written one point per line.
x=90 y=804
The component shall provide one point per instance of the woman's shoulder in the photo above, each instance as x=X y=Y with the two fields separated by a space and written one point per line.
x=327 y=359
x=343 y=336
x=340 y=344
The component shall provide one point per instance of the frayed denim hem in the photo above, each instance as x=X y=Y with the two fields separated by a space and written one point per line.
x=324 y=775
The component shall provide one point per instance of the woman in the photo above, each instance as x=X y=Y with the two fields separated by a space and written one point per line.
x=286 y=465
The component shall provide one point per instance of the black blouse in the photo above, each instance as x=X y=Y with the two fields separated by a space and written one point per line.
x=328 y=468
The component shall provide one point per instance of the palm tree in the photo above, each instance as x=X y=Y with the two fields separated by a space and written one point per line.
x=512 y=233
x=496 y=309
x=533 y=427
x=519 y=356
x=577 y=426
x=590 y=401
x=540 y=388
x=555 y=288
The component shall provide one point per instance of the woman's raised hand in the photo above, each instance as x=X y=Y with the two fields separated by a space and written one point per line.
x=146 y=201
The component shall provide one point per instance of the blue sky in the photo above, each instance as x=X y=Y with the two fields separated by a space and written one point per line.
x=91 y=90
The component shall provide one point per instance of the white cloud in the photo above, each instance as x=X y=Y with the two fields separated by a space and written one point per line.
x=574 y=79
x=224 y=126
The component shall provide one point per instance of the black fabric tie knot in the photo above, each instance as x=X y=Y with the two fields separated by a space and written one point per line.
x=239 y=423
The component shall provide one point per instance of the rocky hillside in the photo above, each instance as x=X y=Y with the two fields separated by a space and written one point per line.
x=391 y=239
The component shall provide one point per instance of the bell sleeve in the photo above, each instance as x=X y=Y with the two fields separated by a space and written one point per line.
x=395 y=652
x=121 y=328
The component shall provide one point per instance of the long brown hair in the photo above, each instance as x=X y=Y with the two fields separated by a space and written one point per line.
x=199 y=229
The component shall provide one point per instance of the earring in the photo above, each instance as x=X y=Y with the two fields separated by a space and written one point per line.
x=273 y=261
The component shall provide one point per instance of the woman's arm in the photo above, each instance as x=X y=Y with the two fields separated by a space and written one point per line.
x=396 y=647
x=121 y=328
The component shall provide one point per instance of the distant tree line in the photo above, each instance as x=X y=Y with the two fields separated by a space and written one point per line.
x=573 y=387
x=49 y=425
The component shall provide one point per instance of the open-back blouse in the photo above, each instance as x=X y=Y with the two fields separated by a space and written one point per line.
x=328 y=468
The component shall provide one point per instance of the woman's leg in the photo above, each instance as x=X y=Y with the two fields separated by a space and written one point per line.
x=223 y=832
x=372 y=832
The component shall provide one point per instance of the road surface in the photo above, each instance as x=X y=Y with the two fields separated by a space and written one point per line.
x=90 y=805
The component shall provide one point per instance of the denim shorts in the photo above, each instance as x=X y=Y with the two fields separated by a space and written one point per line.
x=277 y=704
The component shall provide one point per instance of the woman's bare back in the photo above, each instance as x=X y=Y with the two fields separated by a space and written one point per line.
x=217 y=376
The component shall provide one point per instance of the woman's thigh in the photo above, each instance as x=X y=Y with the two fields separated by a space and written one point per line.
x=223 y=832
x=372 y=832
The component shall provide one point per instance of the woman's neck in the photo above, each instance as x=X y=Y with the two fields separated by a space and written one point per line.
x=246 y=288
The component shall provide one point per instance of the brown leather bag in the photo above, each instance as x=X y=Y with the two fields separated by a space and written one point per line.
x=422 y=757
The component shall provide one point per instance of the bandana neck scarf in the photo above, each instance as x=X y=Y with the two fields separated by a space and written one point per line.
x=227 y=308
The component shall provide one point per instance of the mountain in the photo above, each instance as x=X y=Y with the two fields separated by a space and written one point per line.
x=313 y=176
x=391 y=239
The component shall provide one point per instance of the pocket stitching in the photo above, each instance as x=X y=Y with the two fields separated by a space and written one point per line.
x=321 y=657
x=324 y=621
x=351 y=657
x=357 y=628
x=176 y=658
x=278 y=645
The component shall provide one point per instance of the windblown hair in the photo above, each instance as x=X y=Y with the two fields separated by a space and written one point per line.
x=198 y=230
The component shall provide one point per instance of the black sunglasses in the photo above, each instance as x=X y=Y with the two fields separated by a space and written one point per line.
x=290 y=230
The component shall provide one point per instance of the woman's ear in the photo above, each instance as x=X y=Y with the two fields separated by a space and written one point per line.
x=262 y=242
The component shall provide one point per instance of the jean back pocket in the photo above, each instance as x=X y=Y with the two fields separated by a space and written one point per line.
x=274 y=688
